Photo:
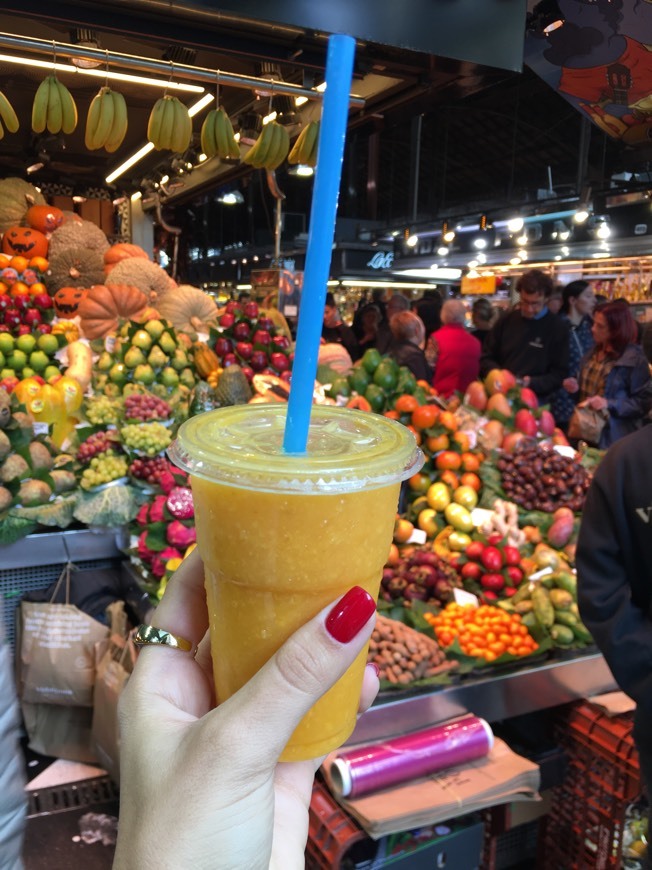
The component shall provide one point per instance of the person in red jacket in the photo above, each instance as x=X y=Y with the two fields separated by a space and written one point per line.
x=452 y=351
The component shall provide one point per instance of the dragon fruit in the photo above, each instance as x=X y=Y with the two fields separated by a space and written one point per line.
x=144 y=551
x=166 y=481
x=180 y=503
x=178 y=535
x=142 y=517
x=157 y=510
x=161 y=559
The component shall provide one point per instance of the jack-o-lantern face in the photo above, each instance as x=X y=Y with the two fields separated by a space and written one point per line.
x=24 y=242
x=67 y=300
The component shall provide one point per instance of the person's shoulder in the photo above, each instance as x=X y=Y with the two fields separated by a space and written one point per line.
x=632 y=449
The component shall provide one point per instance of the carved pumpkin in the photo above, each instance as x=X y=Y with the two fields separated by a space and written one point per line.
x=67 y=300
x=45 y=218
x=24 y=242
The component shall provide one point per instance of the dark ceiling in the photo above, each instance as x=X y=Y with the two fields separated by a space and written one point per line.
x=486 y=137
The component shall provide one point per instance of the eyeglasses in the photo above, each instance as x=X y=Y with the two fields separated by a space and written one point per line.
x=532 y=304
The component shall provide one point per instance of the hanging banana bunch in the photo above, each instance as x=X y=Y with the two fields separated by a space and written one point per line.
x=304 y=150
x=53 y=107
x=270 y=149
x=106 y=122
x=170 y=125
x=217 y=138
x=8 y=116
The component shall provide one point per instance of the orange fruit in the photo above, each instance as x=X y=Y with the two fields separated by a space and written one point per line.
x=448 y=420
x=392 y=415
x=5 y=259
x=37 y=288
x=20 y=289
x=19 y=263
x=416 y=434
x=405 y=404
x=435 y=443
x=469 y=478
x=39 y=263
x=402 y=530
x=449 y=477
x=3 y=289
x=425 y=416
x=462 y=441
x=448 y=459
x=470 y=462
x=419 y=482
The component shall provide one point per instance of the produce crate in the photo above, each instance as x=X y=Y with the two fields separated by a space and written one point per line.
x=584 y=828
x=336 y=842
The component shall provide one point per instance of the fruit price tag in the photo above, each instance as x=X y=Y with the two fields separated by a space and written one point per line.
x=41 y=428
x=418 y=536
x=109 y=343
x=539 y=574
x=462 y=597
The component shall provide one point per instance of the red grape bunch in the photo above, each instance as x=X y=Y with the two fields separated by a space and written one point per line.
x=149 y=469
x=143 y=407
x=99 y=442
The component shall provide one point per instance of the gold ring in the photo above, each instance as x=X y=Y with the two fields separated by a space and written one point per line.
x=147 y=635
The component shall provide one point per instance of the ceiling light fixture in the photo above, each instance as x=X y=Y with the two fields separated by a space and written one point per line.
x=522 y=239
x=86 y=39
x=581 y=215
x=231 y=197
x=515 y=225
x=447 y=233
x=102 y=74
x=442 y=251
x=479 y=243
x=412 y=240
x=301 y=170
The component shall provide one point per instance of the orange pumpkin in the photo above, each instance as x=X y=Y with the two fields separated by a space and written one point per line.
x=122 y=251
x=105 y=306
x=25 y=242
x=68 y=299
x=45 y=218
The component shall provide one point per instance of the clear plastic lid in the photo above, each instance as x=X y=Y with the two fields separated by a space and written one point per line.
x=347 y=450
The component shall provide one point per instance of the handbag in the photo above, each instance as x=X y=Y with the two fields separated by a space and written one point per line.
x=56 y=654
x=586 y=424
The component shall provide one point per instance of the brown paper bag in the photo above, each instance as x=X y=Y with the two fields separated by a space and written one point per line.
x=56 y=653
x=113 y=671
x=63 y=732
x=586 y=424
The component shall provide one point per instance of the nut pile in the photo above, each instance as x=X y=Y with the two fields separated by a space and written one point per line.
x=404 y=655
x=539 y=478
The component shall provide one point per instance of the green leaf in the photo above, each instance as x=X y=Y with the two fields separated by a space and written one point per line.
x=58 y=513
x=155 y=539
x=12 y=529
x=114 y=506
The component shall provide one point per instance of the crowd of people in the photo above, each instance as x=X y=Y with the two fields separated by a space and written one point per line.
x=558 y=341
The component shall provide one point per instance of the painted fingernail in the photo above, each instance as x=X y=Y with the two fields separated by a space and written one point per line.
x=350 y=614
x=375 y=667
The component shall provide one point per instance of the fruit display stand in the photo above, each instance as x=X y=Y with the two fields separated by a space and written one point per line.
x=37 y=560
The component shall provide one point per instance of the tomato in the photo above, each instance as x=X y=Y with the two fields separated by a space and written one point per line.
x=425 y=416
x=492 y=559
x=462 y=441
x=494 y=582
x=436 y=443
x=466 y=496
x=392 y=415
x=511 y=555
x=514 y=575
x=459 y=541
x=449 y=421
x=448 y=460
x=494 y=539
x=438 y=496
x=449 y=478
x=475 y=550
x=472 y=480
x=416 y=433
x=510 y=590
x=490 y=595
x=458 y=517
x=471 y=570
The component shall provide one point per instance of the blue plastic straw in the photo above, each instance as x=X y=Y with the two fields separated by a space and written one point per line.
x=332 y=132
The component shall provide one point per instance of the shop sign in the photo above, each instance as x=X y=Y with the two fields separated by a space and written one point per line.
x=381 y=260
x=478 y=285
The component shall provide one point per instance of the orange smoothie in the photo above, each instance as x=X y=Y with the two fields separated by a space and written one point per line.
x=283 y=536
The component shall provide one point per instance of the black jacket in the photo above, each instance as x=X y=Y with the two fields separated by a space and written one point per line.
x=536 y=348
x=407 y=354
x=614 y=555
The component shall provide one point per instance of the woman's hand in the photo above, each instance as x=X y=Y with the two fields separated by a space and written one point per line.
x=202 y=787
x=570 y=385
x=598 y=403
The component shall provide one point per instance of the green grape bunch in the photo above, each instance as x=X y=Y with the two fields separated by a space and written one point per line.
x=148 y=438
x=103 y=469
x=103 y=411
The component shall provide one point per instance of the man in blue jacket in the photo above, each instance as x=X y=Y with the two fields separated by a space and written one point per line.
x=614 y=555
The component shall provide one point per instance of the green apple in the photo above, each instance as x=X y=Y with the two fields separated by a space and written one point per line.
x=39 y=361
x=26 y=343
x=155 y=328
x=2 y=360
x=17 y=361
x=48 y=343
x=27 y=372
x=6 y=343
x=51 y=372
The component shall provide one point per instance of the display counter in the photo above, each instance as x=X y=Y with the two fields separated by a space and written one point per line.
x=496 y=696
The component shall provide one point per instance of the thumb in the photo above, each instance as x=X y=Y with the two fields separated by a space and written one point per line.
x=308 y=664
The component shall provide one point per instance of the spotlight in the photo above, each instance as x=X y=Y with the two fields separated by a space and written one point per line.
x=447 y=234
x=285 y=110
x=230 y=197
x=86 y=39
x=479 y=243
x=301 y=171
x=581 y=215
x=412 y=240
x=603 y=230
x=545 y=17
x=442 y=251
x=515 y=225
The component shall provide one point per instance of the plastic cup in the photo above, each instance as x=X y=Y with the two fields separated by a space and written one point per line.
x=283 y=535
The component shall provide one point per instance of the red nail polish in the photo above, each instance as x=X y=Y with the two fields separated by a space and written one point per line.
x=349 y=614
